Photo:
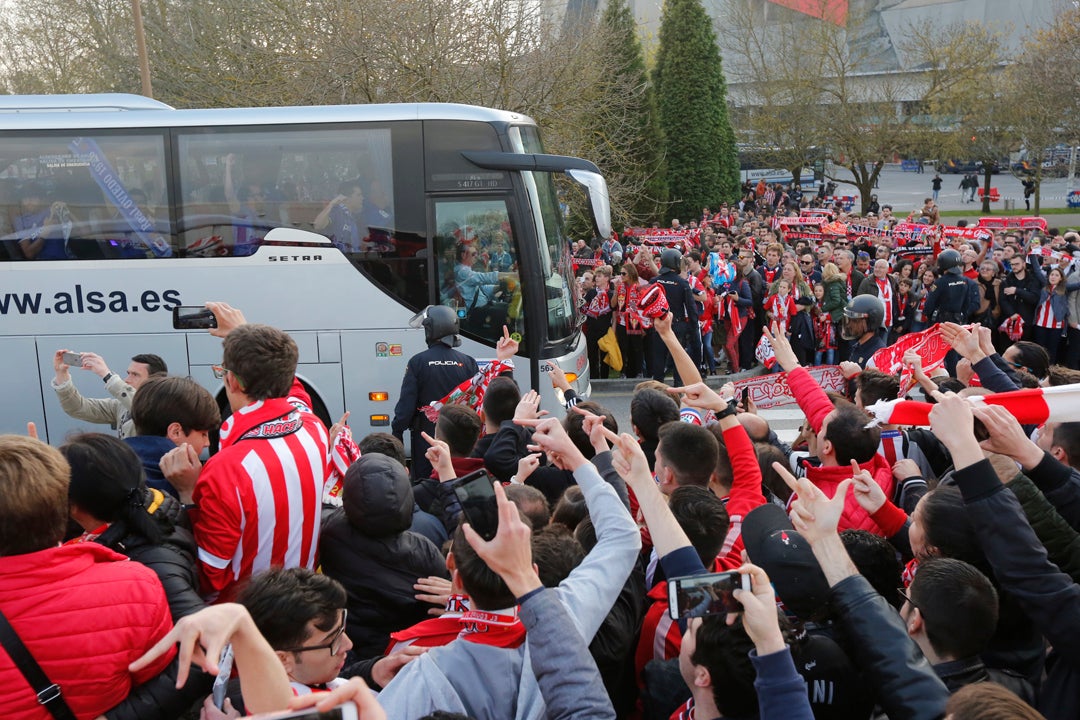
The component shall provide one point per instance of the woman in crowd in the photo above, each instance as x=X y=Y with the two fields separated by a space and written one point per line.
x=926 y=280
x=1053 y=309
x=735 y=306
x=835 y=299
x=989 y=312
x=110 y=501
x=629 y=322
x=598 y=311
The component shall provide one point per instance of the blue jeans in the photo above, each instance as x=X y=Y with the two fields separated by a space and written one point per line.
x=824 y=357
x=707 y=358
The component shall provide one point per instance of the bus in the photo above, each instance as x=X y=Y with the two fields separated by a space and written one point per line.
x=337 y=224
x=752 y=167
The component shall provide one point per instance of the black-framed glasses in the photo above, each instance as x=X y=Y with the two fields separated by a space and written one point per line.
x=905 y=598
x=333 y=645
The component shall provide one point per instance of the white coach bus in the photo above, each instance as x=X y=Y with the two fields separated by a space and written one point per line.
x=114 y=209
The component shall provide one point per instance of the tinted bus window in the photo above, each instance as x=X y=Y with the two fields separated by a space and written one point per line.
x=477 y=268
x=75 y=197
x=357 y=186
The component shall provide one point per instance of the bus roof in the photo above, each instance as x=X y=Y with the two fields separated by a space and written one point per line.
x=83 y=112
x=108 y=102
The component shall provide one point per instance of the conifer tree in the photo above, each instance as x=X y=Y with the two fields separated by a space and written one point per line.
x=702 y=161
x=625 y=135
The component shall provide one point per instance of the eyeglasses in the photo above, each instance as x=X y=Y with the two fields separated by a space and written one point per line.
x=905 y=598
x=335 y=641
x=219 y=371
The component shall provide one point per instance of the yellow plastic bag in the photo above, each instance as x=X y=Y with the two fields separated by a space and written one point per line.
x=609 y=345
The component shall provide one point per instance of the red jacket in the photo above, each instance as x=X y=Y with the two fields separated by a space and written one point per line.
x=816 y=404
x=744 y=496
x=84 y=612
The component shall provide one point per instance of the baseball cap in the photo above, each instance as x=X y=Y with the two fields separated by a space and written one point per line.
x=773 y=545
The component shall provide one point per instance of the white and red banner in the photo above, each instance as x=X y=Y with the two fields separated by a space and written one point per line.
x=1005 y=223
x=768 y=391
x=1032 y=406
x=929 y=345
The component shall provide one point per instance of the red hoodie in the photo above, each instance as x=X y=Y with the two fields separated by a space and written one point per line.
x=816 y=404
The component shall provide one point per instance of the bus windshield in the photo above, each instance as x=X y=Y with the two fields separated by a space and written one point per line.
x=555 y=265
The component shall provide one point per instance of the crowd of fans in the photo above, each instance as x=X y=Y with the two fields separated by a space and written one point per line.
x=741 y=269
x=891 y=571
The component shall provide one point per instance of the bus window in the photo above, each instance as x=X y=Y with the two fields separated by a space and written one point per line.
x=238 y=184
x=477 y=266
x=69 y=197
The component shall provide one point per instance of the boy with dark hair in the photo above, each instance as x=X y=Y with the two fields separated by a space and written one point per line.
x=844 y=433
x=500 y=401
x=271 y=468
x=649 y=409
x=951 y=611
x=685 y=455
x=168 y=412
x=383 y=444
x=302 y=615
x=459 y=427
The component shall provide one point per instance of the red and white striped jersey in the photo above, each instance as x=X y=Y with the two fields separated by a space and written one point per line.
x=1045 y=318
x=259 y=499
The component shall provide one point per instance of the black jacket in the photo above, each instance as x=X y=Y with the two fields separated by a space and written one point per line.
x=173 y=559
x=429 y=376
x=906 y=685
x=1026 y=298
x=953 y=298
x=958 y=673
x=1047 y=595
x=366 y=545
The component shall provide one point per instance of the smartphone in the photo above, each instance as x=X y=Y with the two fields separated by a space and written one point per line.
x=746 y=399
x=701 y=595
x=221 y=682
x=341 y=712
x=73 y=359
x=476 y=494
x=193 y=317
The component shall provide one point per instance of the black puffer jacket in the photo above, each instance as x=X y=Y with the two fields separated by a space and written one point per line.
x=366 y=545
x=173 y=559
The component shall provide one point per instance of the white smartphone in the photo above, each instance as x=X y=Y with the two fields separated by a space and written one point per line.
x=221 y=682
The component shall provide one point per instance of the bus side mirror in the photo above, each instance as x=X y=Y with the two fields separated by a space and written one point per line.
x=600 y=202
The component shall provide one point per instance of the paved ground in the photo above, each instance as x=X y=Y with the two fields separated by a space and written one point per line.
x=906 y=191
x=615 y=395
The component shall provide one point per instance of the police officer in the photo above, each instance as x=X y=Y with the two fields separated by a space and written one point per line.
x=681 y=302
x=429 y=376
x=953 y=298
x=863 y=316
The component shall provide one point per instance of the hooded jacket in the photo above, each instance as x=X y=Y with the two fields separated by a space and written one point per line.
x=366 y=545
x=816 y=404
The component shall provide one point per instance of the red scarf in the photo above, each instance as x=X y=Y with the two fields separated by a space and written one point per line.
x=492 y=628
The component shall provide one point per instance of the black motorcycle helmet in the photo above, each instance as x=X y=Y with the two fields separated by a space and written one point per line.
x=862 y=314
x=950 y=261
x=671 y=259
x=440 y=323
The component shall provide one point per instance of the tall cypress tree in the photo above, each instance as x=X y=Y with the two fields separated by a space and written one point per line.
x=624 y=130
x=702 y=161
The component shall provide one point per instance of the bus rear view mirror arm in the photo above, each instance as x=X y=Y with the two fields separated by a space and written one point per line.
x=580 y=171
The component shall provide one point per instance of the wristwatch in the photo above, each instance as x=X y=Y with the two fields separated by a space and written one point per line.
x=729 y=410
x=107 y=378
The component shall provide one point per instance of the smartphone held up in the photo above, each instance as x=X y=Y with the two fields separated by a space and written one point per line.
x=193 y=317
x=701 y=595
x=476 y=493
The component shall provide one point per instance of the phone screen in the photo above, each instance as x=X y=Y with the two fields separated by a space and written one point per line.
x=476 y=494
x=193 y=317
x=701 y=595
x=746 y=398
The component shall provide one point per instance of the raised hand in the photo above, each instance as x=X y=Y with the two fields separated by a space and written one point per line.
x=1007 y=437
x=509 y=553
x=528 y=407
x=525 y=468
x=228 y=318
x=506 y=347
x=439 y=457
x=813 y=513
x=700 y=395
x=867 y=492
x=785 y=356
x=759 y=615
